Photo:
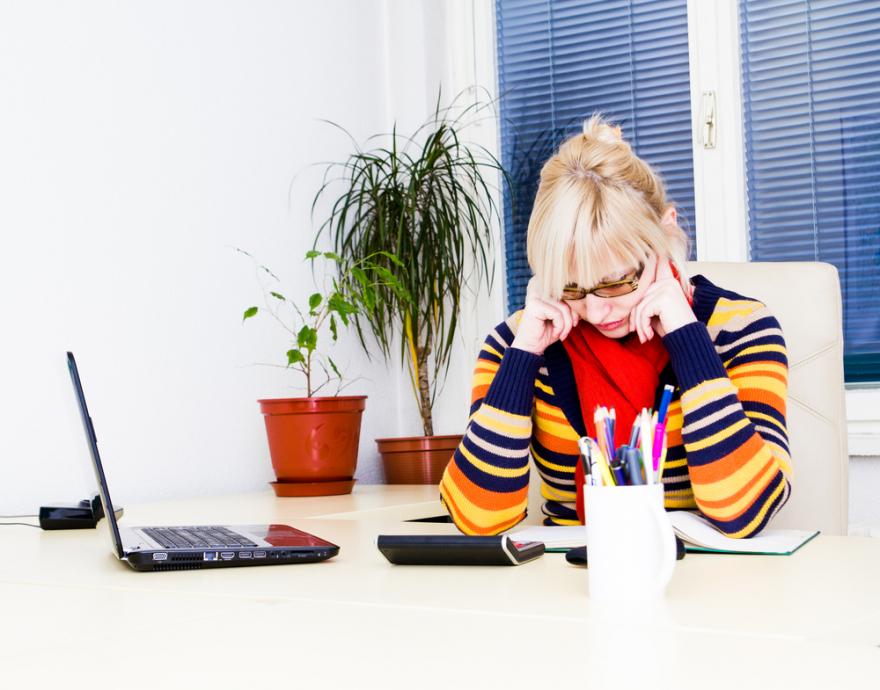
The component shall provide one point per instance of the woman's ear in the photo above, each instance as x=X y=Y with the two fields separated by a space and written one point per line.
x=669 y=217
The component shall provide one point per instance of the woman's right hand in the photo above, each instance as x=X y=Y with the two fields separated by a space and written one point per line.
x=543 y=322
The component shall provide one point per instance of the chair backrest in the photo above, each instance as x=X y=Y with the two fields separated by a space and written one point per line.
x=805 y=298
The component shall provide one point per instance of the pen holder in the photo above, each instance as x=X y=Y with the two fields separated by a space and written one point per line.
x=630 y=542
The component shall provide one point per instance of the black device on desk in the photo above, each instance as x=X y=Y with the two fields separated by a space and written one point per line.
x=457 y=550
x=196 y=547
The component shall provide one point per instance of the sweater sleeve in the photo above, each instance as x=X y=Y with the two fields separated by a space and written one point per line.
x=733 y=400
x=485 y=485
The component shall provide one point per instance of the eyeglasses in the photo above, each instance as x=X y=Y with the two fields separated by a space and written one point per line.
x=573 y=292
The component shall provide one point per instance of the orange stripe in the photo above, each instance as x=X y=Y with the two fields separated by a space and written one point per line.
x=762 y=396
x=551 y=441
x=484 y=498
x=725 y=466
x=723 y=503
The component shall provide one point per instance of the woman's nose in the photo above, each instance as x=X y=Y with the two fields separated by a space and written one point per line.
x=597 y=308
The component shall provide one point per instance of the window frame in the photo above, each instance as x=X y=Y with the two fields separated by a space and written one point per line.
x=719 y=175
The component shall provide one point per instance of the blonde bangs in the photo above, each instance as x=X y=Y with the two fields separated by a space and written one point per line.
x=599 y=208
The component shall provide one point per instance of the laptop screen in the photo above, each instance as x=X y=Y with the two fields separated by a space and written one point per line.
x=96 y=458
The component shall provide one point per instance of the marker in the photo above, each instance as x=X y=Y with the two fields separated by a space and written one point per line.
x=647 y=443
x=657 y=450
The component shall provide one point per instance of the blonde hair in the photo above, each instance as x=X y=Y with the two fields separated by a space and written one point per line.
x=598 y=202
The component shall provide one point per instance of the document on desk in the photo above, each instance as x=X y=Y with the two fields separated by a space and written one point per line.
x=699 y=535
x=696 y=533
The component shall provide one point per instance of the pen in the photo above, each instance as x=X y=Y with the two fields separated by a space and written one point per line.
x=657 y=450
x=584 y=448
x=647 y=443
x=631 y=460
x=617 y=471
x=664 y=403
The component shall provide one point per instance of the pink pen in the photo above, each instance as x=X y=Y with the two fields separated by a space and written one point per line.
x=657 y=450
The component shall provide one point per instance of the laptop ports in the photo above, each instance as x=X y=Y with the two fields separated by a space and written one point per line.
x=244 y=554
x=210 y=556
x=259 y=554
x=227 y=555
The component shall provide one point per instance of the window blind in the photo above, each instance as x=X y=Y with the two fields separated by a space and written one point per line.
x=559 y=61
x=811 y=98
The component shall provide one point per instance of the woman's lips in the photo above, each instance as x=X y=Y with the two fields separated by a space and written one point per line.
x=609 y=326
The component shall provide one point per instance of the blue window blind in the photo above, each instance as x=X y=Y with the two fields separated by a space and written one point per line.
x=811 y=98
x=559 y=61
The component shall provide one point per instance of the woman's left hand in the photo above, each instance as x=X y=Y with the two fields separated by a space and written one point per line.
x=664 y=307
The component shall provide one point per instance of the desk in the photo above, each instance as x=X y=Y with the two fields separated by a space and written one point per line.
x=812 y=618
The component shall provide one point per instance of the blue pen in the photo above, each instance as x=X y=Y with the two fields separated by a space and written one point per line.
x=617 y=469
x=664 y=404
x=633 y=465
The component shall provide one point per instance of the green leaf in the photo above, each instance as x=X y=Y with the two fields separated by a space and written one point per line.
x=307 y=338
x=314 y=301
x=333 y=327
x=312 y=254
x=249 y=313
x=294 y=356
x=335 y=370
x=275 y=294
x=332 y=255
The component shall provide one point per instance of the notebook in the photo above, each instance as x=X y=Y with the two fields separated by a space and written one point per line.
x=195 y=547
x=696 y=533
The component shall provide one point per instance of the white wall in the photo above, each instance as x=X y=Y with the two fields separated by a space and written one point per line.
x=139 y=142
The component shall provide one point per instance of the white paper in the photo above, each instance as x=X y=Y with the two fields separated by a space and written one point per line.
x=697 y=531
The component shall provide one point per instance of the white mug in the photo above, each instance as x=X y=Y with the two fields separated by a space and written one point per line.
x=630 y=542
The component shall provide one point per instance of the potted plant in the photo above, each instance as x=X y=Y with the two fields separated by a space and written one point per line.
x=313 y=441
x=426 y=199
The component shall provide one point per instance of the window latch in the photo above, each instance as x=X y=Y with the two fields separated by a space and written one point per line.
x=707 y=123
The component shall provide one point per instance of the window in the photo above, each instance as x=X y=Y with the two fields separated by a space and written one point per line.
x=811 y=103
x=559 y=61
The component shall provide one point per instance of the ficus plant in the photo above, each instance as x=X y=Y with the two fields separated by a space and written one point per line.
x=427 y=200
x=357 y=289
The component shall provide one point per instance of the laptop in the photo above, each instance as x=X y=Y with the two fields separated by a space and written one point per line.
x=196 y=547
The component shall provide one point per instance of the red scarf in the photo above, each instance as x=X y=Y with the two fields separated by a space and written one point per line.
x=623 y=374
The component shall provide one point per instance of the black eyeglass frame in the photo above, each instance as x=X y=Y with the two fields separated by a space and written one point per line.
x=573 y=293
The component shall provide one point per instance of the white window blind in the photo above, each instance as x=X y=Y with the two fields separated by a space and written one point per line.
x=559 y=61
x=811 y=99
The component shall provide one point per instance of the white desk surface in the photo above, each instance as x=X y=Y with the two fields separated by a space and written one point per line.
x=812 y=618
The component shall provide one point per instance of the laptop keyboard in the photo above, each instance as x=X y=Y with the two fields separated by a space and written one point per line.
x=196 y=537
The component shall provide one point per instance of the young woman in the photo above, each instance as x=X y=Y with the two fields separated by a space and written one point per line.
x=610 y=319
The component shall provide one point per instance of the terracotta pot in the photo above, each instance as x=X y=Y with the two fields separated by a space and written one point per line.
x=314 y=439
x=418 y=459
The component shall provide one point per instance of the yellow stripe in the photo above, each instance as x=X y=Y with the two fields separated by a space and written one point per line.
x=767 y=383
x=507 y=472
x=557 y=429
x=719 y=437
x=549 y=465
x=552 y=494
x=708 y=390
x=759 y=367
x=771 y=420
x=543 y=387
x=491 y=350
x=759 y=518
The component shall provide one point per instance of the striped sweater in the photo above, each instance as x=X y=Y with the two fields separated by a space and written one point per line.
x=728 y=454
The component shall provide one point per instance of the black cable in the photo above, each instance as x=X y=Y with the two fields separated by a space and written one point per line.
x=26 y=524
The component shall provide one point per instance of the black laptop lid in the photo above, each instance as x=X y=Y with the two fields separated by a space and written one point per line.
x=96 y=457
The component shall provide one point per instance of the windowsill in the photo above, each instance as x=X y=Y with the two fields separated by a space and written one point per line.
x=863 y=420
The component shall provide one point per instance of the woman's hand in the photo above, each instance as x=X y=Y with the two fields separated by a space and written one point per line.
x=664 y=307
x=543 y=323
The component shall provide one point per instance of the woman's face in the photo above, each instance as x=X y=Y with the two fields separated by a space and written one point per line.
x=610 y=315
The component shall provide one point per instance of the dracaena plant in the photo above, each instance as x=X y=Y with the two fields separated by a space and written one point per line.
x=357 y=289
x=428 y=200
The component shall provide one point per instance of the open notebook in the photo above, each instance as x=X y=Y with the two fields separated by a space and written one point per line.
x=696 y=533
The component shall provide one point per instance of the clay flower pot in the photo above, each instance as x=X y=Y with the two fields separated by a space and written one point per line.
x=313 y=443
x=418 y=459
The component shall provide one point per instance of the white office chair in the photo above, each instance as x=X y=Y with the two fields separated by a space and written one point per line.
x=805 y=298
